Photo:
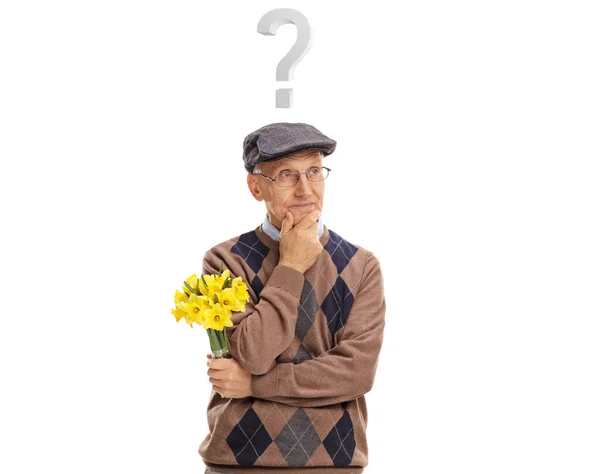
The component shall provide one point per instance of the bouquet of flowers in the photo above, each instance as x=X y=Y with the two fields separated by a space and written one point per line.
x=209 y=301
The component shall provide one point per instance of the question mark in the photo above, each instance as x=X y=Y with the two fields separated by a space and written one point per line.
x=268 y=25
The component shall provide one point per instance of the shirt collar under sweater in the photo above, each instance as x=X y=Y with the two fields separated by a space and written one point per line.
x=273 y=232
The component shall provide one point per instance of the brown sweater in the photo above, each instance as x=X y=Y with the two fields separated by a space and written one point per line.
x=312 y=342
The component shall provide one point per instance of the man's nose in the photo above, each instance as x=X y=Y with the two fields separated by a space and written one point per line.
x=303 y=185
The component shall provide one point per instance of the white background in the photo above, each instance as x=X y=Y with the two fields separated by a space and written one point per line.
x=467 y=161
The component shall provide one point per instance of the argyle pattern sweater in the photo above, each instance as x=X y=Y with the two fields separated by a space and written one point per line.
x=311 y=342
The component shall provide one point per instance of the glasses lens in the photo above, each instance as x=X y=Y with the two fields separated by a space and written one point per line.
x=286 y=179
x=317 y=173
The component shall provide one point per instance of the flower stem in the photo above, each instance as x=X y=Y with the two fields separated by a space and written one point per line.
x=225 y=344
x=213 y=339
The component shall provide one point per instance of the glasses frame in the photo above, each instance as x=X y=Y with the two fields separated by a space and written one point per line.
x=298 y=173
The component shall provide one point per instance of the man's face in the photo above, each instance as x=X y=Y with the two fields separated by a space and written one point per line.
x=281 y=199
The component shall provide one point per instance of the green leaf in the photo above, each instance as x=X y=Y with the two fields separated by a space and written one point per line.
x=215 y=298
x=190 y=288
x=203 y=280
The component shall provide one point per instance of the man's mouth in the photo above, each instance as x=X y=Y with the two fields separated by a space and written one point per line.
x=303 y=206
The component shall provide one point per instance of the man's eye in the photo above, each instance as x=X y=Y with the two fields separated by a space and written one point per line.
x=285 y=174
x=315 y=170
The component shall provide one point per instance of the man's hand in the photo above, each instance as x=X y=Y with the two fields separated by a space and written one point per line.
x=229 y=378
x=299 y=244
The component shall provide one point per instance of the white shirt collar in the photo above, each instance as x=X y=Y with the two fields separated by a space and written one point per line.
x=273 y=232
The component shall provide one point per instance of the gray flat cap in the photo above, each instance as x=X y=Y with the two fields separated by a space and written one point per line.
x=278 y=140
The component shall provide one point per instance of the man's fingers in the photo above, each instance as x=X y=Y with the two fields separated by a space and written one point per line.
x=221 y=383
x=218 y=364
x=217 y=374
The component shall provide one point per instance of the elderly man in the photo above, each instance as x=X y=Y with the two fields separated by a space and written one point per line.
x=304 y=353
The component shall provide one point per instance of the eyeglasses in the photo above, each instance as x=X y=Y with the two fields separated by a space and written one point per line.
x=291 y=178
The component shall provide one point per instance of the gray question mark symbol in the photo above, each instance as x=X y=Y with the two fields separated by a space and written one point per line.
x=268 y=25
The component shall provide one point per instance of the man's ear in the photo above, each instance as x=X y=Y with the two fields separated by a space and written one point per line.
x=254 y=187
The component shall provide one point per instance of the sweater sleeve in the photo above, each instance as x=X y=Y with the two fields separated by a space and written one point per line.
x=267 y=327
x=344 y=372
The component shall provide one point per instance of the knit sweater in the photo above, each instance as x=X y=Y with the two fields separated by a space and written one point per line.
x=311 y=342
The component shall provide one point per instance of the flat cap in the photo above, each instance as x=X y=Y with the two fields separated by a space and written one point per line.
x=278 y=140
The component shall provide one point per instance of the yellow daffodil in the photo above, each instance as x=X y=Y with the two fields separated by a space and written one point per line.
x=179 y=312
x=209 y=280
x=217 y=317
x=235 y=282
x=213 y=285
x=241 y=306
x=230 y=301
x=193 y=281
x=241 y=290
x=221 y=279
x=194 y=309
x=180 y=297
